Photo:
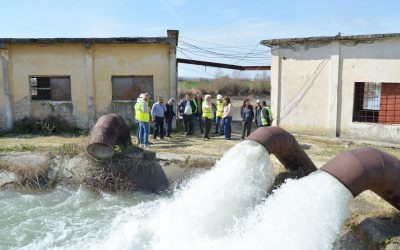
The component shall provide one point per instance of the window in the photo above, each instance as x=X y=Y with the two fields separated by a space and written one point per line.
x=50 y=88
x=377 y=102
x=129 y=87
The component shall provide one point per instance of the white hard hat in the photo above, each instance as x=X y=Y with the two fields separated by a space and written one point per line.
x=258 y=101
x=219 y=97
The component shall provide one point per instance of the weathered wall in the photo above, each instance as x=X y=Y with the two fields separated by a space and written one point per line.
x=90 y=67
x=313 y=86
x=126 y=60
x=368 y=62
x=48 y=60
x=2 y=104
x=304 y=81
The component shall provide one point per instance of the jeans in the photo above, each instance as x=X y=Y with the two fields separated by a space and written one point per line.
x=207 y=123
x=144 y=128
x=188 y=122
x=227 y=127
x=218 y=120
x=246 y=128
x=168 y=121
x=158 y=127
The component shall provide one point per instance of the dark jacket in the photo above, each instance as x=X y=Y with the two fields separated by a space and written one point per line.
x=182 y=106
x=169 y=112
x=247 y=113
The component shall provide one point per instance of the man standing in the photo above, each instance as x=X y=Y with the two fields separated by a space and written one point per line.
x=143 y=117
x=257 y=117
x=157 y=115
x=198 y=113
x=218 y=114
x=207 y=115
x=169 y=115
x=187 y=108
x=266 y=115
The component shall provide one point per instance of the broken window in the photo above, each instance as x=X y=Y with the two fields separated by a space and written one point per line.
x=129 y=87
x=50 y=88
x=376 y=102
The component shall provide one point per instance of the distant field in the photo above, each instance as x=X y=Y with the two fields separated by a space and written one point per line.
x=188 y=85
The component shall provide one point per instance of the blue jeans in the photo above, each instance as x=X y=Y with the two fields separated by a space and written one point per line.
x=144 y=128
x=227 y=127
x=218 y=120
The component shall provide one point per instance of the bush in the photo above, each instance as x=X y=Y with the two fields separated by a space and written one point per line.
x=47 y=126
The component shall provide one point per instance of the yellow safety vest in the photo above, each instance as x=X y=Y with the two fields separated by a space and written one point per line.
x=264 y=121
x=207 y=111
x=220 y=108
x=139 y=114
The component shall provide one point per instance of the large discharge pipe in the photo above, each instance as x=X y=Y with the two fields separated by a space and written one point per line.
x=368 y=169
x=108 y=131
x=284 y=146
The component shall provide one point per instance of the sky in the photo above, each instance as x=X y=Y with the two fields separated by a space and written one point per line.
x=232 y=28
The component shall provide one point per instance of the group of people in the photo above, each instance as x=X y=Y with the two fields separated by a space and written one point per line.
x=197 y=110
x=262 y=116
x=159 y=113
x=205 y=113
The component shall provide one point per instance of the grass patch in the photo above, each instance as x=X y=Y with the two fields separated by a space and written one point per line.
x=19 y=148
x=71 y=149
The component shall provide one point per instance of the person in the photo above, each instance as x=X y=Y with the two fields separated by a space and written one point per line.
x=140 y=97
x=227 y=117
x=187 y=108
x=257 y=117
x=218 y=115
x=266 y=115
x=169 y=115
x=198 y=113
x=247 y=115
x=143 y=116
x=157 y=116
x=207 y=116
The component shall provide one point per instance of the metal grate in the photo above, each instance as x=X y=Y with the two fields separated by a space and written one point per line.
x=366 y=102
x=50 y=88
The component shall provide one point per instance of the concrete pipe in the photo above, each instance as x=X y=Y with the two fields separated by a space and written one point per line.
x=284 y=146
x=368 y=169
x=108 y=131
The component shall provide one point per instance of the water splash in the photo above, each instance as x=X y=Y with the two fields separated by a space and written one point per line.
x=224 y=208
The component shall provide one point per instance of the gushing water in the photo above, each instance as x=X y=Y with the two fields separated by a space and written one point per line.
x=224 y=208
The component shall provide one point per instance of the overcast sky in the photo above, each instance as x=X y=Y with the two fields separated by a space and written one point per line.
x=238 y=25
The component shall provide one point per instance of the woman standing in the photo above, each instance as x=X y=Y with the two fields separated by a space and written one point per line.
x=247 y=114
x=207 y=116
x=227 y=117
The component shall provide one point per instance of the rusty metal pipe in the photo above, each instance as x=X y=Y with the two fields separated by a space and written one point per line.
x=108 y=131
x=284 y=146
x=368 y=168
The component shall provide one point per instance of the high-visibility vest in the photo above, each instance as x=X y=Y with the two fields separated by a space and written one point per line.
x=220 y=108
x=207 y=111
x=196 y=107
x=139 y=114
x=264 y=121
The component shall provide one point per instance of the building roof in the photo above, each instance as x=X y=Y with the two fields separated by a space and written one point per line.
x=111 y=40
x=286 y=41
x=171 y=39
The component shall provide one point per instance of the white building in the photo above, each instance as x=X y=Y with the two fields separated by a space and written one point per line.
x=347 y=86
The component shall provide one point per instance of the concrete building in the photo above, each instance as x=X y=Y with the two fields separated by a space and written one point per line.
x=347 y=86
x=80 y=79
